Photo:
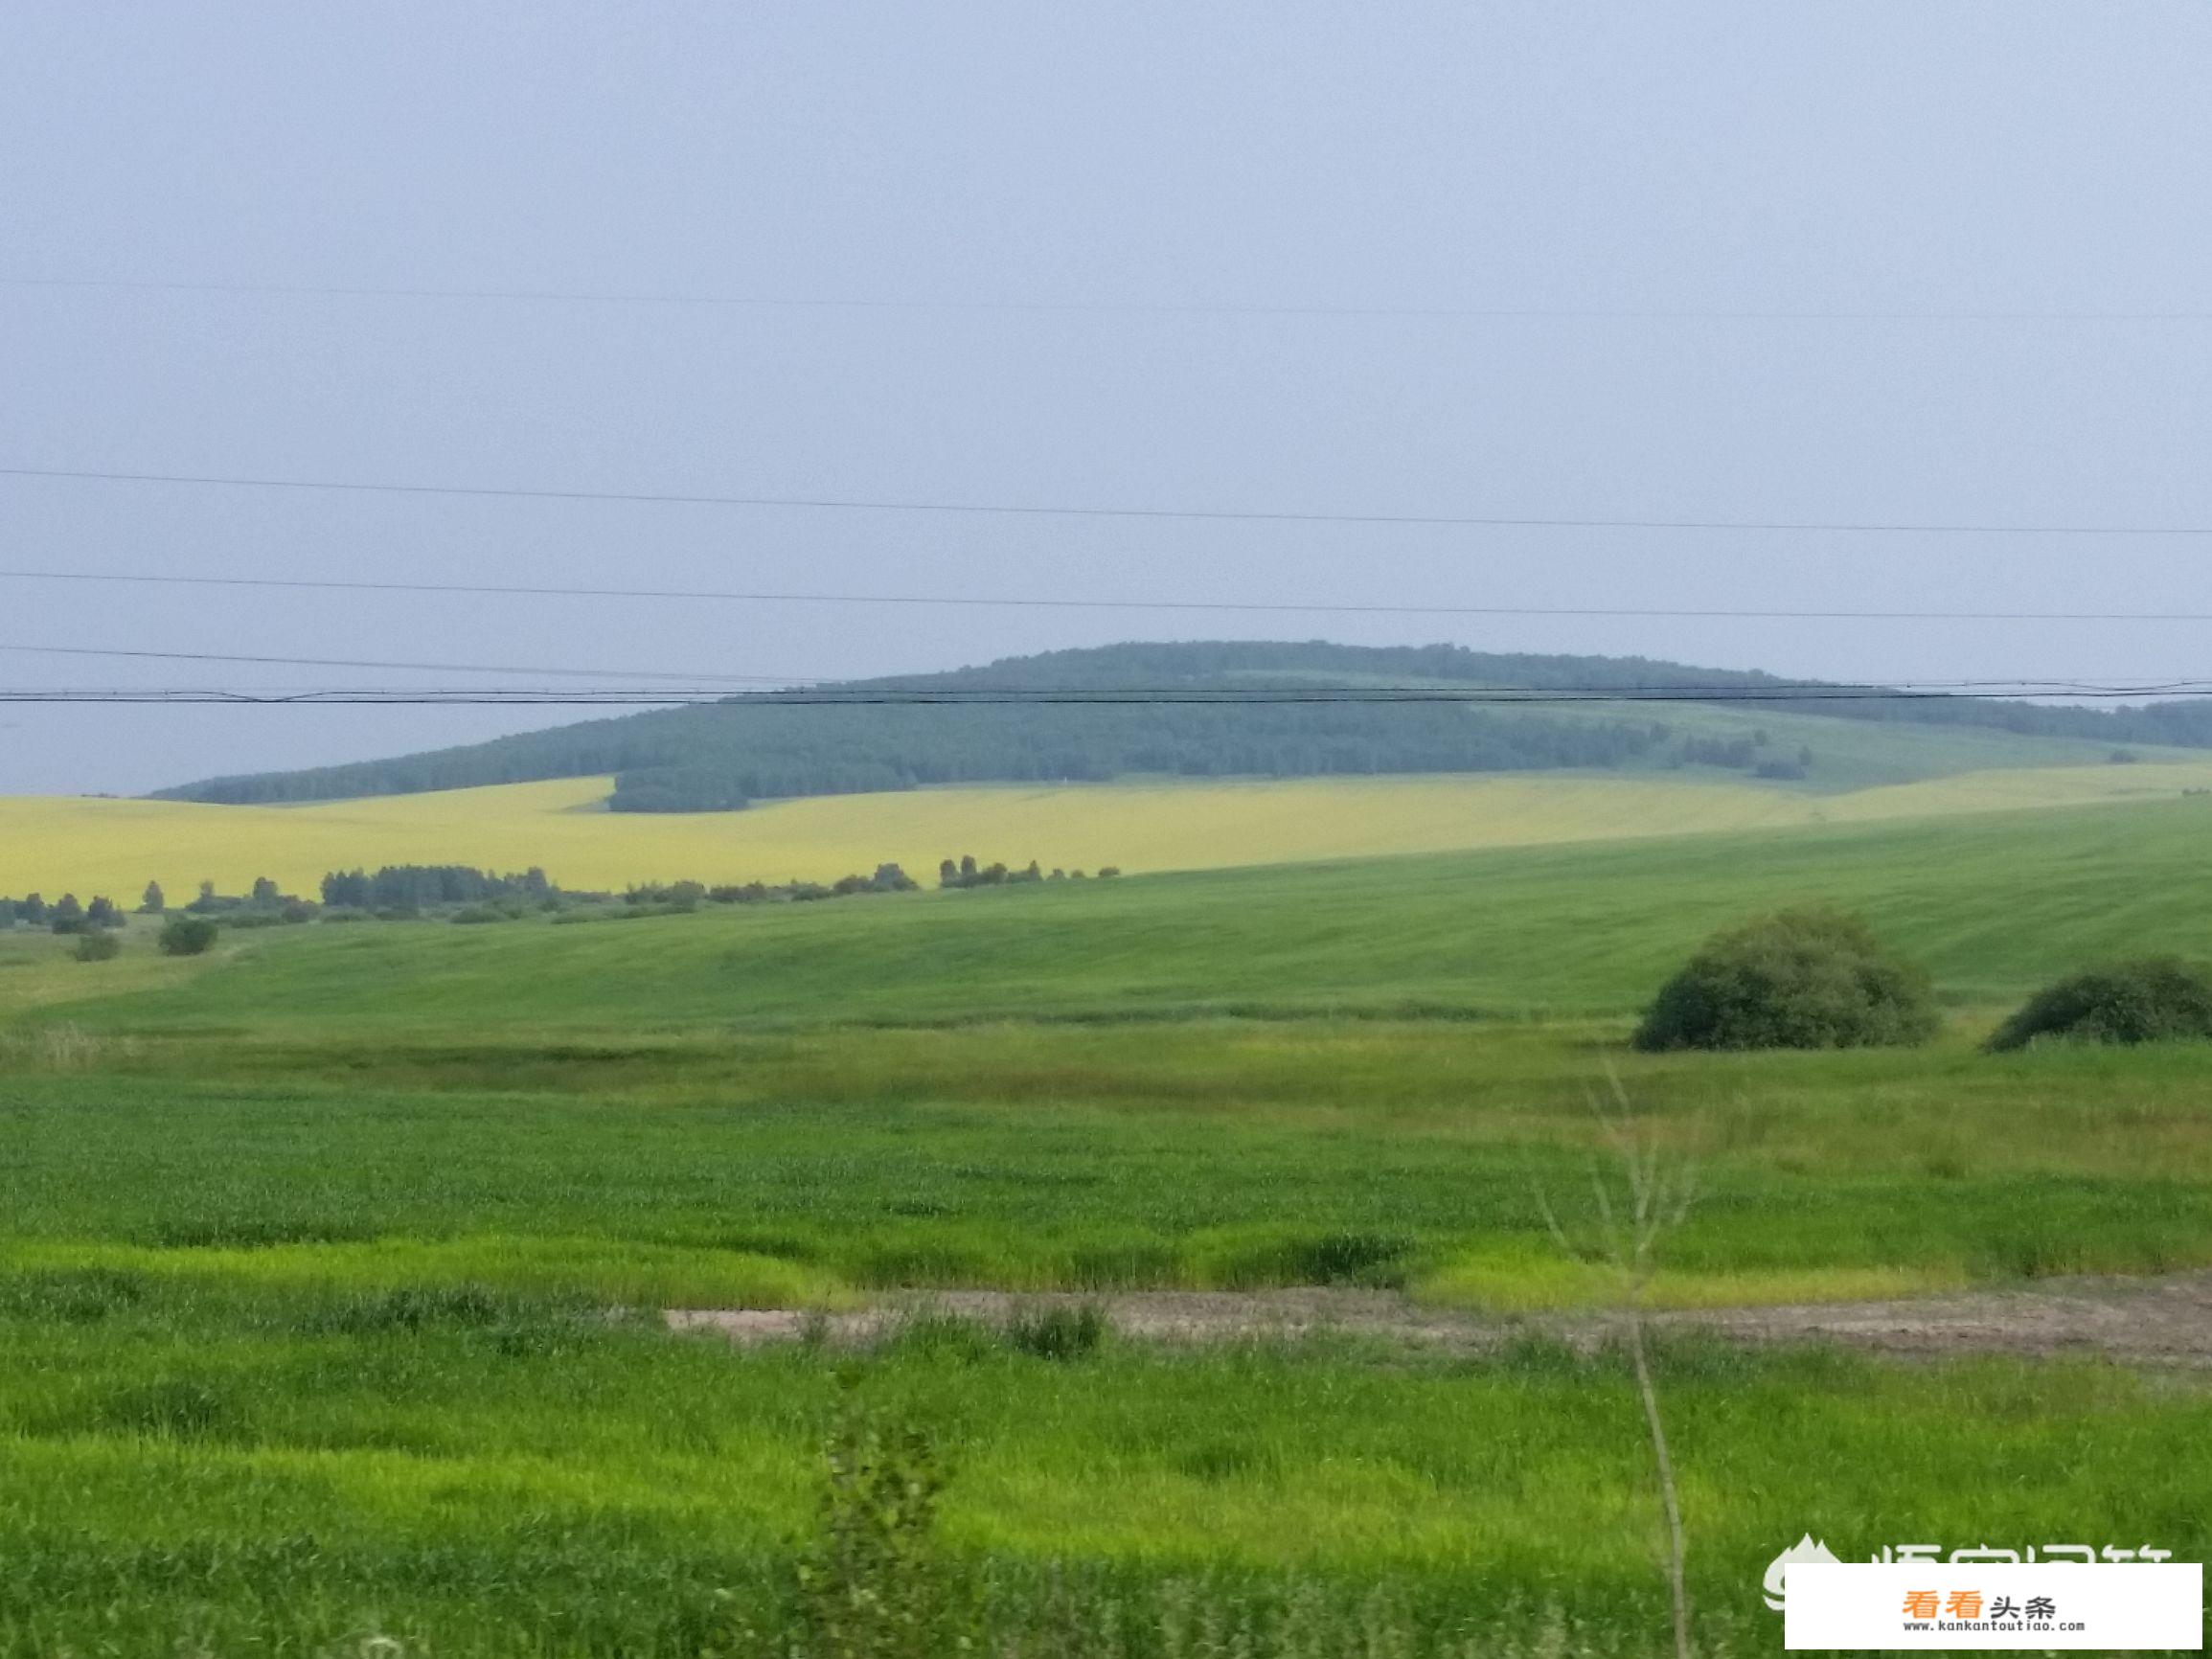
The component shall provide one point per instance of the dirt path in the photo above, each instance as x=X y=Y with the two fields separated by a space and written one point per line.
x=2153 y=1321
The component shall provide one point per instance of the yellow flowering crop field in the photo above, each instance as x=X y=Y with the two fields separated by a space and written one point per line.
x=66 y=844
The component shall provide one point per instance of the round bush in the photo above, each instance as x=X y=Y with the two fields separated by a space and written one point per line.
x=2153 y=1000
x=100 y=946
x=1802 y=979
x=186 y=935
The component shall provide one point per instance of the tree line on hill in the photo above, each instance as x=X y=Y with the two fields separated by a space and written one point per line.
x=723 y=756
x=726 y=756
x=462 y=894
x=66 y=915
x=96 y=926
x=263 y=904
x=428 y=886
x=967 y=873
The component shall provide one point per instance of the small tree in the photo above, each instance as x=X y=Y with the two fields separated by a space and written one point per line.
x=100 y=946
x=102 y=912
x=1801 y=979
x=187 y=936
x=67 y=914
x=875 y=1581
x=154 y=902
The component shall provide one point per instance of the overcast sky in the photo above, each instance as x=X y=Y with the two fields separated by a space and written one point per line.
x=1924 y=156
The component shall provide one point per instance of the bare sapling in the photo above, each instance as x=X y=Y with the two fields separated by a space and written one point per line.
x=1634 y=1206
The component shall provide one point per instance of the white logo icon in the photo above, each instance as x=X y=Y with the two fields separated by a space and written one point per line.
x=1777 y=1574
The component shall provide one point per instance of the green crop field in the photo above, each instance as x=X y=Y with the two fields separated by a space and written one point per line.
x=1993 y=903
x=330 y=1262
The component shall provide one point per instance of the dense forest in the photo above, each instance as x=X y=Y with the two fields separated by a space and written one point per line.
x=723 y=755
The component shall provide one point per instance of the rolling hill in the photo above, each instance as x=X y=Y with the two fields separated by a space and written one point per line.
x=724 y=756
x=87 y=846
x=1993 y=903
x=755 y=791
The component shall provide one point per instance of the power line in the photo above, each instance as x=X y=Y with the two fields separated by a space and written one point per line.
x=912 y=697
x=1099 y=307
x=1028 y=510
x=683 y=678
x=1032 y=602
x=825 y=688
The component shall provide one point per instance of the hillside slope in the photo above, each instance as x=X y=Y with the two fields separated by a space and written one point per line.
x=727 y=755
x=1993 y=903
x=115 y=847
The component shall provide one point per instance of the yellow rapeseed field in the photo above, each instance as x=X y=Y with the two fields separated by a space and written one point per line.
x=62 y=843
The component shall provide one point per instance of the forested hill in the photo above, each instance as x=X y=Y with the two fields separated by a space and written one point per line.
x=722 y=756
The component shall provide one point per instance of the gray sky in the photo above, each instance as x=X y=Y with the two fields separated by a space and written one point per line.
x=1922 y=156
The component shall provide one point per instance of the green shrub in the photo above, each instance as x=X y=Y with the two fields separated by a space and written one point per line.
x=97 y=948
x=2153 y=1000
x=1801 y=979
x=187 y=936
x=876 y=1584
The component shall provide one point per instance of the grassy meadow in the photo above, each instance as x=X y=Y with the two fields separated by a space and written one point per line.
x=812 y=1167
x=329 y=1261
x=484 y=1475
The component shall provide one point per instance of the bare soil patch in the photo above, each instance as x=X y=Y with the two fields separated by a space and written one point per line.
x=2163 y=1321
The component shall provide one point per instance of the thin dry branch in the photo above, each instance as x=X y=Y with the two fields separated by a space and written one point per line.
x=1659 y=1194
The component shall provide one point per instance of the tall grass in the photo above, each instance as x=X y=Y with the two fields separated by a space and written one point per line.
x=471 y=1472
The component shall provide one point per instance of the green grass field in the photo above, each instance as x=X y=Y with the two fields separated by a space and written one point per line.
x=1993 y=903
x=260 y=1474
x=775 y=1170
x=327 y=1262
